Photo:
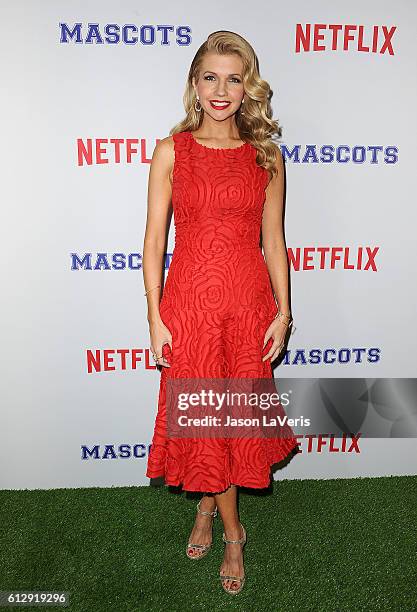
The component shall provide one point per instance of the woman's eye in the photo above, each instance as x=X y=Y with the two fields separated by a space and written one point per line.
x=210 y=76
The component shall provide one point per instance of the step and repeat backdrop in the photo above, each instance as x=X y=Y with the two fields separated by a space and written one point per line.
x=88 y=90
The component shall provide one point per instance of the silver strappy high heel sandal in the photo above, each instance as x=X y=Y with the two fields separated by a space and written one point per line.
x=223 y=578
x=204 y=548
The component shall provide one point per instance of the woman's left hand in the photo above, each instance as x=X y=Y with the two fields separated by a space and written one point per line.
x=277 y=331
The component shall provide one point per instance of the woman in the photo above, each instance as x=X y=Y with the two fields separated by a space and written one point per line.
x=218 y=316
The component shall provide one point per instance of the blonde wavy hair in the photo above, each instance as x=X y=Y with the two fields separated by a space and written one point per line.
x=255 y=125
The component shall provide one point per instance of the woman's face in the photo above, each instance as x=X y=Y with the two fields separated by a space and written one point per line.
x=220 y=80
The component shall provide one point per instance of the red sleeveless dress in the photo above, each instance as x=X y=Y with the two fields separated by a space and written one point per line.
x=217 y=303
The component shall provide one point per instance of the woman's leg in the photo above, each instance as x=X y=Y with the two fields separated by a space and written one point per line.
x=233 y=557
x=202 y=530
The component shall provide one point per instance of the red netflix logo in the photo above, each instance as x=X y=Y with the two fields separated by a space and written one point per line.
x=333 y=258
x=110 y=360
x=326 y=442
x=334 y=37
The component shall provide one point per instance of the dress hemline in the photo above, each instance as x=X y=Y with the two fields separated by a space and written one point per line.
x=170 y=482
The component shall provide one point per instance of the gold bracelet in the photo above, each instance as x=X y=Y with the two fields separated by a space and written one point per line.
x=151 y=289
x=279 y=313
x=282 y=314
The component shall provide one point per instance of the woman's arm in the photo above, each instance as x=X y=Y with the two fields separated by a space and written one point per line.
x=159 y=204
x=273 y=240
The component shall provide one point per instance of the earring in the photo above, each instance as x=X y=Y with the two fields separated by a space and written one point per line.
x=241 y=112
x=195 y=105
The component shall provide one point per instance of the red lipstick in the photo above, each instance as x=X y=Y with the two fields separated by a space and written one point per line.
x=221 y=106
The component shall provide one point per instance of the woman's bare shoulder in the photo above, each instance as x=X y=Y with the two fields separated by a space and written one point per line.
x=164 y=152
x=165 y=146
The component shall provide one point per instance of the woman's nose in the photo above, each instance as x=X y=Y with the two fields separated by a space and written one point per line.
x=221 y=89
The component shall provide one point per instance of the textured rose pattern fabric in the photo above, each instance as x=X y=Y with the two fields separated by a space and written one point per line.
x=217 y=303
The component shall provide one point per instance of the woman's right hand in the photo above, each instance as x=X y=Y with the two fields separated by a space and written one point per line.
x=160 y=335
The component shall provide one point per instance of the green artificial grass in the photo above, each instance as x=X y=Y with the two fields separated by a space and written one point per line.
x=325 y=545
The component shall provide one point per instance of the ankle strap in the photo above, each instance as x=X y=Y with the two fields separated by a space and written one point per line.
x=241 y=541
x=213 y=514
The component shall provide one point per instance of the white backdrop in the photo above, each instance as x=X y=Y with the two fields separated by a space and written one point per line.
x=60 y=95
